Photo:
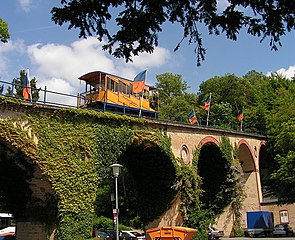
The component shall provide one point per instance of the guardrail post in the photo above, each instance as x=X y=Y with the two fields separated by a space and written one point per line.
x=78 y=100
x=12 y=89
x=45 y=89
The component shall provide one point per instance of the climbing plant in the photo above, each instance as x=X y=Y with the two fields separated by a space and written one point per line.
x=189 y=187
x=76 y=147
x=151 y=173
x=74 y=151
x=76 y=155
x=199 y=214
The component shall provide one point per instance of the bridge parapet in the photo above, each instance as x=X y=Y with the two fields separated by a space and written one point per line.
x=185 y=139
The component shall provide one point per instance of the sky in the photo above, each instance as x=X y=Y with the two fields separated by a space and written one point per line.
x=57 y=57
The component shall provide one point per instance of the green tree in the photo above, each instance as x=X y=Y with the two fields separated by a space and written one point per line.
x=254 y=92
x=139 y=22
x=18 y=82
x=9 y=91
x=281 y=134
x=229 y=89
x=4 y=34
x=175 y=101
x=170 y=86
x=221 y=115
x=255 y=106
x=229 y=94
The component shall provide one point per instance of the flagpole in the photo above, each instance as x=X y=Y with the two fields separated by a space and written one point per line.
x=196 y=117
x=207 y=123
x=241 y=125
x=30 y=89
x=142 y=95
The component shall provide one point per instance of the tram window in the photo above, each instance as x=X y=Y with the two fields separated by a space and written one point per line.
x=101 y=84
x=128 y=89
x=120 y=87
x=116 y=87
x=131 y=89
x=109 y=84
x=124 y=88
x=112 y=85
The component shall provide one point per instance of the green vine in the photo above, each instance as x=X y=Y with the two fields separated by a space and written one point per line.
x=76 y=147
x=74 y=151
x=199 y=214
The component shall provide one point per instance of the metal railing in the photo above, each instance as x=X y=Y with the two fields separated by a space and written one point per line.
x=45 y=96
x=58 y=99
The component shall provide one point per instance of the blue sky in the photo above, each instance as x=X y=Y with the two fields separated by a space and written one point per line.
x=57 y=57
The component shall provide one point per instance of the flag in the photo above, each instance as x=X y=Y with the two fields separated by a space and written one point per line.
x=138 y=82
x=207 y=103
x=240 y=115
x=26 y=86
x=192 y=117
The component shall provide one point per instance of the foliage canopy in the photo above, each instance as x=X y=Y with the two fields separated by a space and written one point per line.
x=139 y=22
x=4 y=34
x=268 y=103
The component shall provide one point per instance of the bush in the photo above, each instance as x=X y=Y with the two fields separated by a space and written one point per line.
x=102 y=222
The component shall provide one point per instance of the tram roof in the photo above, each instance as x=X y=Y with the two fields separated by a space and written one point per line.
x=90 y=75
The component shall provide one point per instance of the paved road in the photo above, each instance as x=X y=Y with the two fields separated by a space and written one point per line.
x=260 y=238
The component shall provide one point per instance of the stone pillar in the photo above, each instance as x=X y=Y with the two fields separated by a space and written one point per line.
x=30 y=231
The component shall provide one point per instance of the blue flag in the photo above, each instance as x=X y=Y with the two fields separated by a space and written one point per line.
x=192 y=117
x=26 y=86
x=138 y=82
x=240 y=115
x=207 y=103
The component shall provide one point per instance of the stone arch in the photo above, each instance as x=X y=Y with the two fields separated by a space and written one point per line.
x=246 y=156
x=206 y=140
x=150 y=174
x=265 y=165
x=250 y=171
x=213 y=170
x=25 y=192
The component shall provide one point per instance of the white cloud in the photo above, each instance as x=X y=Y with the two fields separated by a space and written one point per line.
x=10 y=46
x=288 y=73
x=159 y=57
x=58 y=66
x=56 y=86
x=25 y=4
x=222 y=5
x=15 y=48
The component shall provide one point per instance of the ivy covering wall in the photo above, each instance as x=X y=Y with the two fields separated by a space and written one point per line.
x=199 y=213
x=74 y=151
x=76 y=147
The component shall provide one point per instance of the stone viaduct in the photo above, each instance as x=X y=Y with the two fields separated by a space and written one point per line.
x=185 y=138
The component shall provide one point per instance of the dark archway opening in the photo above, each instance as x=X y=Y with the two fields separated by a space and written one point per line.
x=15 y=173
x=20 y=194
x=213 y=169
x=246 y=161
x=266 y=165
x=145 y=186
x=149 y=177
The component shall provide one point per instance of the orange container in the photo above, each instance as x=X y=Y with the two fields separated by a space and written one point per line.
x=171 y=233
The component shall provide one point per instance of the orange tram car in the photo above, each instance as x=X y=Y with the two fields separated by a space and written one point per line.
x=107 y=92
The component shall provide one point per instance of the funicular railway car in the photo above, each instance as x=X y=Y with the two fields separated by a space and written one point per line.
x=107 y=92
